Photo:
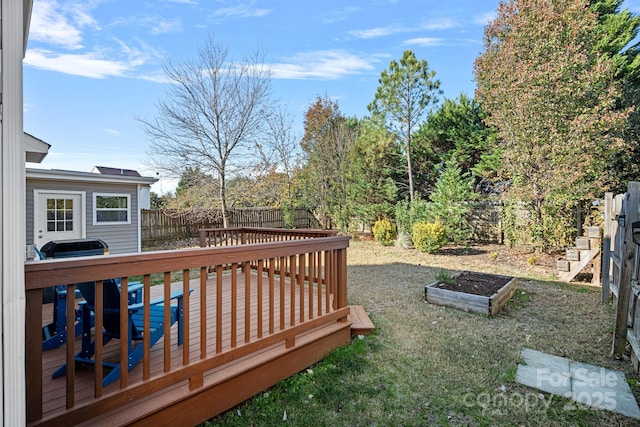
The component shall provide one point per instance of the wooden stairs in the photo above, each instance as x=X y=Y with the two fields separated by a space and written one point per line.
x=585 y=252
x=360 y=322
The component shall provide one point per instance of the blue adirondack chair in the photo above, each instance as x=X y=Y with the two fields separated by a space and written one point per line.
x=111 y=326
x=54 y=334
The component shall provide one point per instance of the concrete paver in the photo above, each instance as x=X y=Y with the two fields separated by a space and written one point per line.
x=590 y=385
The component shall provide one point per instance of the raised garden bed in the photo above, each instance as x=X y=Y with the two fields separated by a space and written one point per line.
x=477 y=292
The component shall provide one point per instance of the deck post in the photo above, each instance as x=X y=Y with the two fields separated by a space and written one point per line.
x=341 y=270
x=33 y=362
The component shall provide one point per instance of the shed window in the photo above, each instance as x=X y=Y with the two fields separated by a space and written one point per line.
x=112 y=208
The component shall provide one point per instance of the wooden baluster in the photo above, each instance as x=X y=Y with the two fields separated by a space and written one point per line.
x=218 y=308
x=259 y=297
x=301 y=270
x=292 y=288
x=146 y=326
x=203 y=312
x=99 y=332
x=124 y=334
x=186 y=304
x=247 y=302
x=271 y=295
x=167 y=321
x=234 y=303
x=282 y=286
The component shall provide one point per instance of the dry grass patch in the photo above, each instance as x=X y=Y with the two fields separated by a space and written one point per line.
x=455 y=360
x=431 y=365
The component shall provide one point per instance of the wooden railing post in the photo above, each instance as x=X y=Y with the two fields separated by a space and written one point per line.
x=341 y=273
x=203 y=237
x=33 y=361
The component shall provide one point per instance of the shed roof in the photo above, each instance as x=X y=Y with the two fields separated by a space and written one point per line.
x=115 y=171
x=66 y=175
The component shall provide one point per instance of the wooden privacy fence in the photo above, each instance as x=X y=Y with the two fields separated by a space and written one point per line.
x=158 y=226
x=620 y=260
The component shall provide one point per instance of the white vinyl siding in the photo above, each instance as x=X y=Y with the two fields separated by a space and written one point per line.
x=111 y=209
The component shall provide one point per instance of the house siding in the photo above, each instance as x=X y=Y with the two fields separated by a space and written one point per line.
x=121 y=238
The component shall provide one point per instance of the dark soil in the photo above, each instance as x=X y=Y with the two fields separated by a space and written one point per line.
x=476 y=283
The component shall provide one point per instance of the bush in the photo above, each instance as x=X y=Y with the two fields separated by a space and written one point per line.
x=429 y=236
x=408 y=213
x=384 y=232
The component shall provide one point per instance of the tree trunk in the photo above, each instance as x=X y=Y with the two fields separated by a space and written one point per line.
x=409 y=167
x=223 y=201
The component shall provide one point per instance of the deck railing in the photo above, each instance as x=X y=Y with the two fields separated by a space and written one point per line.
x=279 y=286
x=210 y=237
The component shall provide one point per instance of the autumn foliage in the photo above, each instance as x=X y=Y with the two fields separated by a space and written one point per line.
x=552 y=100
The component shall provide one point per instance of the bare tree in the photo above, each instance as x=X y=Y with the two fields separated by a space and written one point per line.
x=282 y=147
x=212 y=118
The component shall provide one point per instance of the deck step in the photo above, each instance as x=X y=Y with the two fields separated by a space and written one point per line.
x=360 y=322
x=577 y=259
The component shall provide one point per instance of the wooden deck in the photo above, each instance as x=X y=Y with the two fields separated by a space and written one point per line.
x=246 y=328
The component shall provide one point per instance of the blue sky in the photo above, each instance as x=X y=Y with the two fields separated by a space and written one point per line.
x=93 y=66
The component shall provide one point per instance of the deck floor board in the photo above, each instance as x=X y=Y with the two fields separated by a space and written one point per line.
x=54 y=390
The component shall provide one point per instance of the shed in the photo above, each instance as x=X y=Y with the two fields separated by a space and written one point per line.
x=104 y=204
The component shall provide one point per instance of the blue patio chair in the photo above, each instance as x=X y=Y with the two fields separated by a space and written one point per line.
x=54 y=334
x=111 y=326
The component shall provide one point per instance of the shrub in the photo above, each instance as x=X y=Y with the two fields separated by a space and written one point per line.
x=429 y=236
x=445 y=277
x=408 y=213
x=384 y=232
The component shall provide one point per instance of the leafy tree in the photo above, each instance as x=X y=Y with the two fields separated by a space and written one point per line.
x=372 y=164
x=326 y=144
x=617 y=39
x=406 y=91
x=158 y=202
x=457 y=131
x=194 y=190
x=553 y=103
x=213 y=116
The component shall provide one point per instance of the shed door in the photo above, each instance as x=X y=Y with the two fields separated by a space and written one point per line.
x=57 y=216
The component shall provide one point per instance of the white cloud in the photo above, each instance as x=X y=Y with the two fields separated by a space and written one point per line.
x=333 y=16
x=86 y=65
x=162 y=26
x=154 y=23
x=485 y=18
x=440 y=24
x=376 y=32
x=425 y=41
x=112 y=132
x=57 y=25
x=241 y=10
x=324 y=64
x=194 y=2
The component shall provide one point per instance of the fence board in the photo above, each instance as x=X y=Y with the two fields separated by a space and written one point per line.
x=158 y=226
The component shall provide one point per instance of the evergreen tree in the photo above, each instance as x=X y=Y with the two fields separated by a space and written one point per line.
x=404 y=96
x=451 y=201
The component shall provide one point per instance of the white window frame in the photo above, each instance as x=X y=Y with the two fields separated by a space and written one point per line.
x=95 y=208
